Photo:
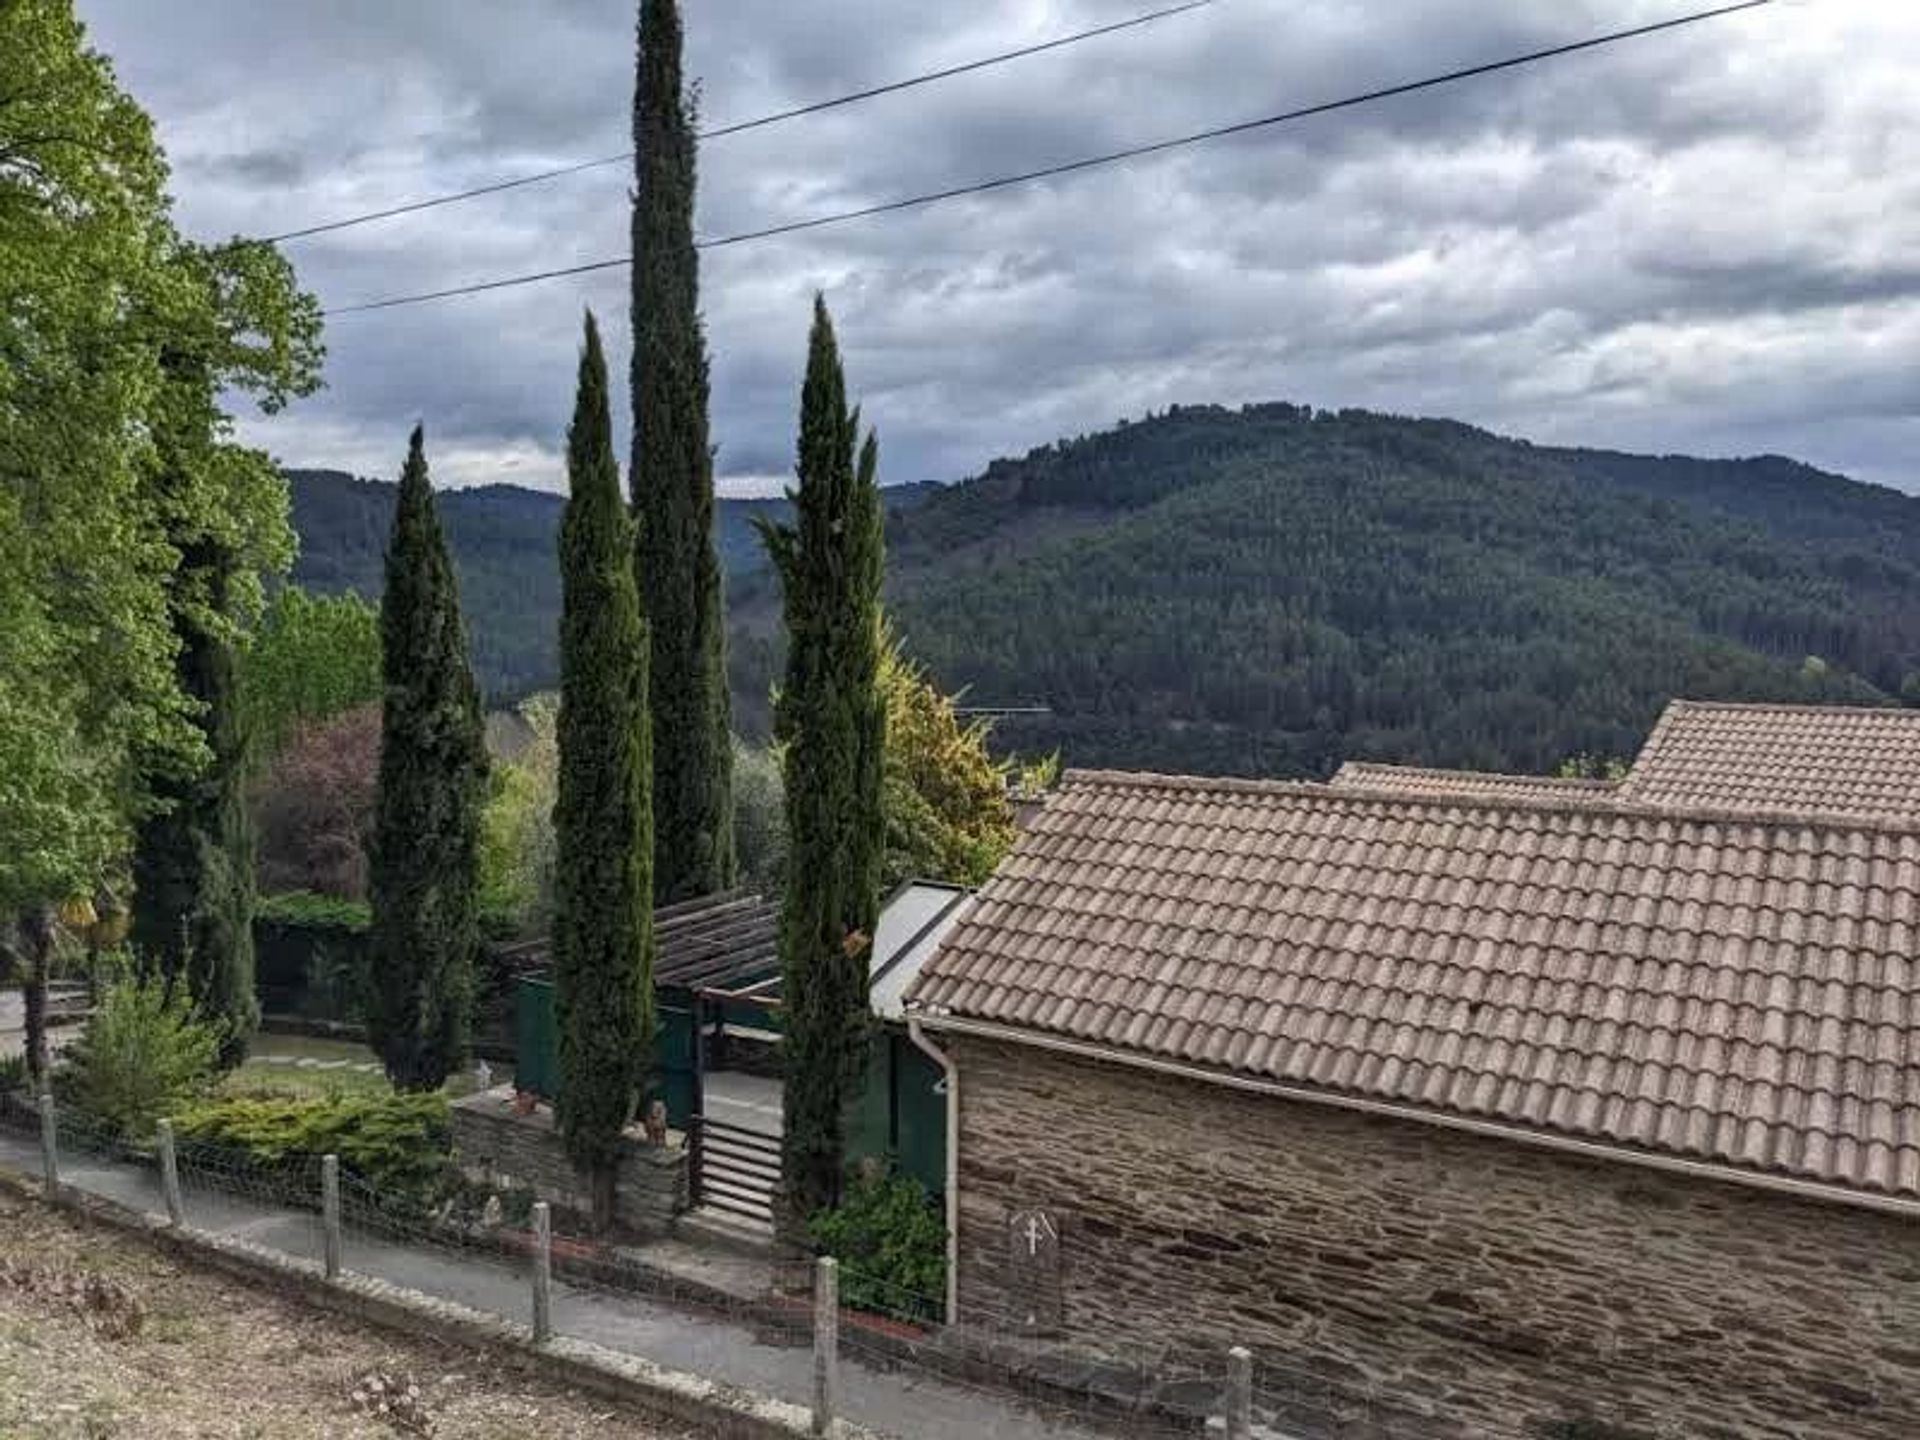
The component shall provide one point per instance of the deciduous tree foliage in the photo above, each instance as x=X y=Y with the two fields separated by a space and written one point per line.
x=425 y=861
x=672 y=481
x=114 y=337
x=517 y=860
x=313 y=806
x=312 y=657
x=86 y=651
x=831 y=718
x=603 y=890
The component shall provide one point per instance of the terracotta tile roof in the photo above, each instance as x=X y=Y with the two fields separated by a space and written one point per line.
x=1417 y=780
x=1781 y=758
x=1716 y=986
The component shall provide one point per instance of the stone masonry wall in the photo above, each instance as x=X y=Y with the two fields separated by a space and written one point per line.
x=1488 y=1282
x=496 y=1145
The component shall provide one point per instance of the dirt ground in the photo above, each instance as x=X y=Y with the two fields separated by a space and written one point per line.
x=101 y=1336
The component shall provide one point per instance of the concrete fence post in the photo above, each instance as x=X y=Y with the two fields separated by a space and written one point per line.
x=826 y=1343
x=542 y=1272
x=169 y=1174
x=1239 y=1393
x=330 y=1212
x=50 y=1144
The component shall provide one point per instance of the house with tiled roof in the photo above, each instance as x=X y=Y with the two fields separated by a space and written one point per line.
x=1785 y=758
x=1528 y=1104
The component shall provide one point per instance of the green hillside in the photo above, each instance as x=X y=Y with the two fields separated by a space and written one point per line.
x=503 y=540
x=1269 y=589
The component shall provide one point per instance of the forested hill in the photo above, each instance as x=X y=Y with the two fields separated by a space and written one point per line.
x=1270 y=589
x=504 y=542
x=1267 y=590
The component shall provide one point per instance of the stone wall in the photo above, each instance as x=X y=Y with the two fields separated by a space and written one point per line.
x=498 y=1147
x=1490 y=1284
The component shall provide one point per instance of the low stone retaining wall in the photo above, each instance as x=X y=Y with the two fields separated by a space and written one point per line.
x=714 y=1407
x=499 y=1147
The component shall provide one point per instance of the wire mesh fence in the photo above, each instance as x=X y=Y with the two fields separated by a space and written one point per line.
x=892 y=1340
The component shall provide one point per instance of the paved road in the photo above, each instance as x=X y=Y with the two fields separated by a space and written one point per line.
x=893 y=1404
x=13 y=1027
x=750 y=1101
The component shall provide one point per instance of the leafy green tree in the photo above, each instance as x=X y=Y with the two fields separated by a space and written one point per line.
x=517 y=839
x=312 y=657
x=425 y=863
x=831 y=718
x=603 y=897
x=115 y=340
x=672 y=480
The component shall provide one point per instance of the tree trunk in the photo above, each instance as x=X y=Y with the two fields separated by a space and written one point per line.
x=602 y=1181
x=36 y=942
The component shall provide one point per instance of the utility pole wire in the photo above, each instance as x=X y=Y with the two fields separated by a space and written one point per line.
x=1074 y=166
x=742 y=126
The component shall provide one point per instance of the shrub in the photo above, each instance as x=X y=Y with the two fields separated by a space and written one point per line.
x=399 y=1146
x=143 y=1055
x=892 y=1247
x=13 y=1073
x=307 y=907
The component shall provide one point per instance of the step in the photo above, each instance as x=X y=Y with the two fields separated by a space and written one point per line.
x=736 y=1198
x=726 y=1231
x=715 y=1161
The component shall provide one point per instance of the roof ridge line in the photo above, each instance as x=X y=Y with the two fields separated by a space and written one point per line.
x=1572 y=782
x=1802 y=706
x=1608 y=802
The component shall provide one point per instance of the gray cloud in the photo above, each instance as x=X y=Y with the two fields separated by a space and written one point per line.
x=1706 y=240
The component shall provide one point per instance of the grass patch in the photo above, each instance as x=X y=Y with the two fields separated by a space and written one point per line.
x=332 y=1068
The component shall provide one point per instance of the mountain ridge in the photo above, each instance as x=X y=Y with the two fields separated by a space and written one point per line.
x=1273 y=588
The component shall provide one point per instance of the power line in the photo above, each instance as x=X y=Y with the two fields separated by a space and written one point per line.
x=1074 y=166
x=742 y=126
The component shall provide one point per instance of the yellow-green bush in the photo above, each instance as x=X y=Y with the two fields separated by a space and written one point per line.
x=143 y=1054
x=399 y=1145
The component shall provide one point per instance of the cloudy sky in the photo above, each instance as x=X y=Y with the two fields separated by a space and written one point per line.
x=1707 y=240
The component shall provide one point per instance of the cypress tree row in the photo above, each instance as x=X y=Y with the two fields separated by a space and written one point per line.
x=603 y=902
x=423 y=875
x=832 y=717
x=672 y=480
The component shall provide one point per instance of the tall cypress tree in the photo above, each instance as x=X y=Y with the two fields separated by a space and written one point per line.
x=832 y=717
x=193 y=860
x=603 y=872
x=193 y=856
x=672 y=479
x=424 y=863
